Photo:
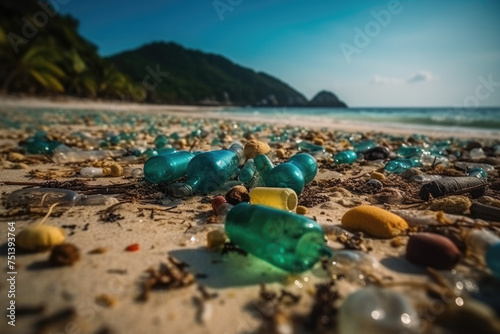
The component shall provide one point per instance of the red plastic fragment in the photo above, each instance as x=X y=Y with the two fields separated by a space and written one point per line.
x=132 y=248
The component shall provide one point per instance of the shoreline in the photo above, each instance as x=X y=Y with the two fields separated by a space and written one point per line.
x=216 y=113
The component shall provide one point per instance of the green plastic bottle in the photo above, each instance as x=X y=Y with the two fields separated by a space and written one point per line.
x=294 y=174
x=247 y=172
x=208 y=171
x=167 y=168
x=263 y=166
x=287 y=240
x=345 y=157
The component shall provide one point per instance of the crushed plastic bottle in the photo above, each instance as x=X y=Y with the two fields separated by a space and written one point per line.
x=477 y=153
x=295 y=173
x=287 y=240
x=279 y=198
x=425 y=178
x=209 y=170
x=39 y=144
x=433 y=160
x=410 y=151
x=65 y=155
x=49 y=196
x=462 y=165
x=167 y=168
x=345 y=157
x=377 y=311
x=351 y=264
x=398 y=166
x=304 y=146
x=477 y=172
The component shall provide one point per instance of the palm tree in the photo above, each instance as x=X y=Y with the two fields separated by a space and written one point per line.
x=37 y=64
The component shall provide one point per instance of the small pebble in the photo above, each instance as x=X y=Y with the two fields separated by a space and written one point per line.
x=301 y=210
x=280 y=153
x=318 y=141
x=374 y=221
x=15 y=157
x=458 y=205
x=113 y=170
x=106 y=300
x=255 y=147
x=389 y=196
x=21 y=165
x=64 y=254
x=377 y=176
x=237 y=194
x=216 y=240
x=432 y=250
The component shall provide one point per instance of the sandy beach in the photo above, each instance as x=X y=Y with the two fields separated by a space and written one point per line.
x=101 y=292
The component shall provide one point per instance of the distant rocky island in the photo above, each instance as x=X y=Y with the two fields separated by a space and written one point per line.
x=55 y=60
x=194 y=77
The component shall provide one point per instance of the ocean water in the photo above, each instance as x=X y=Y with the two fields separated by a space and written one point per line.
x=480 y=119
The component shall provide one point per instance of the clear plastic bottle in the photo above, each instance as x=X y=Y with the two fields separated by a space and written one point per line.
x=429 y=160
x=209 y=170
x=377 y=311
x=65 y=156
x=289 y=241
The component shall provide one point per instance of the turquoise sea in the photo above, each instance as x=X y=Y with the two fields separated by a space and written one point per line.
x=480 y=118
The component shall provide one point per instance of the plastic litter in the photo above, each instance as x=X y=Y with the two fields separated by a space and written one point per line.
x=345 y=157
x=209 y=170
x=377 y=311
x=295 y=174
x=167 y=168
x=287 y=240
x=279 y=198
x=453 y=185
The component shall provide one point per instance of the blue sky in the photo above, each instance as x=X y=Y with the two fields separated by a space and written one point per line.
x=426 y=53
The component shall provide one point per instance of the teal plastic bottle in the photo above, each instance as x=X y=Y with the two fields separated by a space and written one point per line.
x=410 y=151
x=167 y=168
x=209 y=170
x=364 y=146
x=398 y=166
x=289 y=241
x=39 y=144
x=247 y=172
x=345 y=157
x=477 y=172
x=294 y=174
x=304 y=146
x=263 y=165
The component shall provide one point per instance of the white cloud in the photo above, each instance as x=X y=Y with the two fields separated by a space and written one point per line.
x=421 y=76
